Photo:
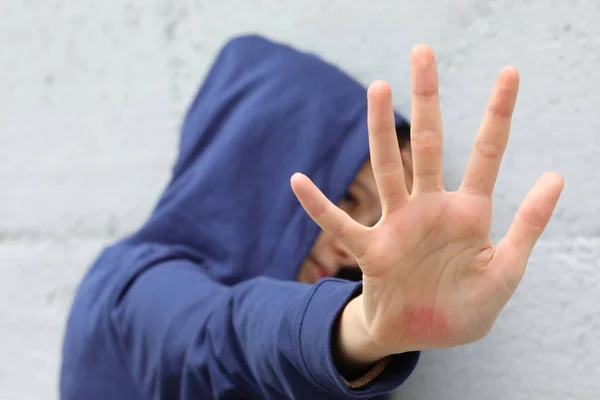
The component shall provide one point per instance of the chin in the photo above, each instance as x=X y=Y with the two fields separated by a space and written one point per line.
x=350 y=274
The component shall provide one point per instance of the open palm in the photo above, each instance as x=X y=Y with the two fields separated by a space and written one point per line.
x=431 y=275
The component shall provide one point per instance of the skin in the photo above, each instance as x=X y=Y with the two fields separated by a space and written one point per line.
x=361 y=203
x=432 y=278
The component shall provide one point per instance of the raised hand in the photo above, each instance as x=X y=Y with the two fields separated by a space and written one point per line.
x=431 y=275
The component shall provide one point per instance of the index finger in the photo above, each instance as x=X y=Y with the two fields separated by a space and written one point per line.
x=384 y=147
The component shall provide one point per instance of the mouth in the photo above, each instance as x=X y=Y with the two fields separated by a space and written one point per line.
x=320 y=270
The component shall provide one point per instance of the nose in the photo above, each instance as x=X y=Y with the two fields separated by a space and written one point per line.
x=344 y=257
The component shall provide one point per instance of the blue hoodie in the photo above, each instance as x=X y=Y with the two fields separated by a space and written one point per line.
x=201 y=302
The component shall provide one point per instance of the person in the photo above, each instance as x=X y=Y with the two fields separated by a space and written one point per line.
x=232 y=288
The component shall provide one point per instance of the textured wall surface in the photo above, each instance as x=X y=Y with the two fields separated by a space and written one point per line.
x=92 y=94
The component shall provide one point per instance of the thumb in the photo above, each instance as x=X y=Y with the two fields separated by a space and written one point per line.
x=329 y=217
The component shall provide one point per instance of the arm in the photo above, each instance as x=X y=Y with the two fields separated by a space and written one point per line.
x=187 y=336
x=431 y=275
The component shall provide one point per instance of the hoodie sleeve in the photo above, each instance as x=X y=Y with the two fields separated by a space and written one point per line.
x=187 y=337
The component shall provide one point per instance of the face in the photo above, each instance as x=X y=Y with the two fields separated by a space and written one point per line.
x=361 y=202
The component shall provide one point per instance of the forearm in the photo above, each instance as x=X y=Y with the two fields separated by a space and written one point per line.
x=267 y=337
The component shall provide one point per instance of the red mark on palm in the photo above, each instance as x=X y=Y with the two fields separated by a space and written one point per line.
x=420 y=323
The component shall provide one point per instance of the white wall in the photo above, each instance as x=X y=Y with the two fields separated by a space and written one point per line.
x=92 y=93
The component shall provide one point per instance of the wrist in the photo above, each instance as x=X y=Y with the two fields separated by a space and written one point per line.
x=354 y=352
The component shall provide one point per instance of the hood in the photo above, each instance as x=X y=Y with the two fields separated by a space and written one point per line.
x=263 y=112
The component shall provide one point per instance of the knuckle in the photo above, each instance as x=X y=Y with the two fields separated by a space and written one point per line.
x=426 y=139
x=534 y=217
x=387 y=167
x=489 y=149
x=381 y=126
x=501 y=109
x=341 y=229
x=426 y=89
